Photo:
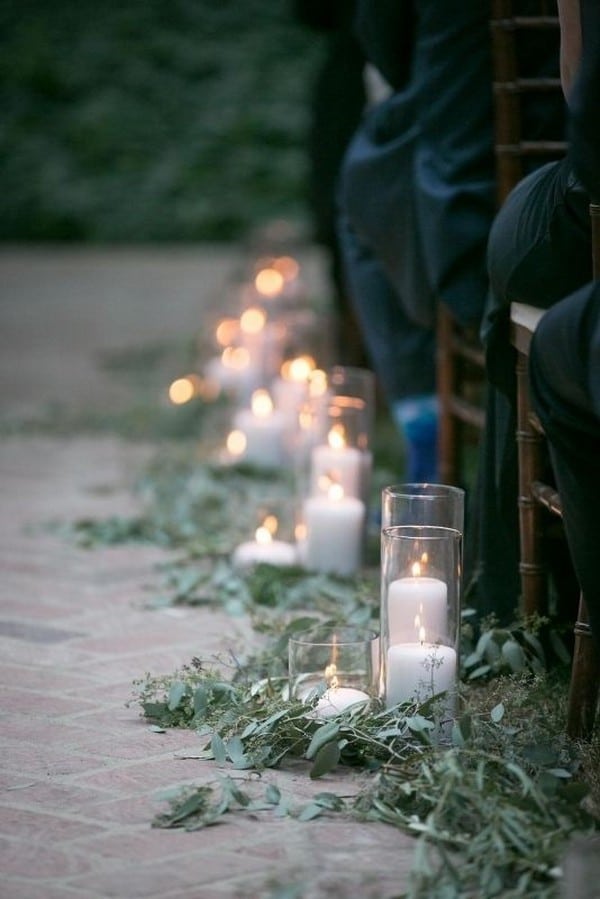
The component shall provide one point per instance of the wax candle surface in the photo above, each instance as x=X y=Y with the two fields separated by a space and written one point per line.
x=418 y=671
x=336 y=699
x=344 y=465
x=275 y=552
x=334 y=532
x=234 y=373
x=415 y=603
x=265 y=436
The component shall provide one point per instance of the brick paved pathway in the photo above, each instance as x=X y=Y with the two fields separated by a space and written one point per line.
x=81 y=773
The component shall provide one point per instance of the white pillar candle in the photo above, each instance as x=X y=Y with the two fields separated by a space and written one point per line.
x=274 y=552
x=334 y=532
x=418 y=671
x=290 y=389
x=288 y=395
x=414 y=603
x=265 y=430
x=338 y=463
x=336 y=699
x=234 y=372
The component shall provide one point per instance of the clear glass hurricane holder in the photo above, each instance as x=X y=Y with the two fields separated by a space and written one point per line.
x=420 y=615
x=332 y=669
x=439 y=505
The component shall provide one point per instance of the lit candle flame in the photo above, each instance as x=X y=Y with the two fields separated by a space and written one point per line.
x=226 y=331
x=263 y=535
x=300 y=532
x=252 y=320
x=269 y=282
x=335 y=492
x=237 y=357
x=271 y=524
x=305 y=419
x=182 y=390
x=331 y=669
x=418 y=568
x=298 y=369
x=236 y=443
x=317 y=385
x=261 y=403
x=337 y=437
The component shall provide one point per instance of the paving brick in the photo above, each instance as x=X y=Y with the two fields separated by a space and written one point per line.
x=82 y=776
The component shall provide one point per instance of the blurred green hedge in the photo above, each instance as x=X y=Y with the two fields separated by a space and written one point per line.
x=146 y=120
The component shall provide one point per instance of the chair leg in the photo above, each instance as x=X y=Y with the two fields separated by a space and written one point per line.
x=529 y=444
x=585 y=679
x=448 y=436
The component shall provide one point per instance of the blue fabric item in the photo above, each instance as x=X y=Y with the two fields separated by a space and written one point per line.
x=417 y=419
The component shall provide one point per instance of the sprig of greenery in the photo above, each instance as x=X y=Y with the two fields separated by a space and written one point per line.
x=530 y=644
x=193 y=808
x=492 y=804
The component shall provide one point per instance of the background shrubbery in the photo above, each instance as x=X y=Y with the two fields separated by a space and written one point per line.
x=140 y=120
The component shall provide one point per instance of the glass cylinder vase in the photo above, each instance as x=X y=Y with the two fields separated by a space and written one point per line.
x=336 y=667
x=439 y=505
x=420 y=614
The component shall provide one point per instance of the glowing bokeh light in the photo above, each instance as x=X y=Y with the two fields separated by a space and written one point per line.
x=182 y=390
x=236 y=443
x=227 y=330
x=261 y=403
x=337 y=437
x=263 y=535
x=286 y=266
x=269 y=282
x=252 y=320
x=298 y=369
x=236 y=357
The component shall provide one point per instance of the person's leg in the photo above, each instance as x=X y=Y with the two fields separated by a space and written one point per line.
x=401 y=352
x=565 y=389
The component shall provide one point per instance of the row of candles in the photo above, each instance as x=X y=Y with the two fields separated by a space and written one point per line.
x=288 y=413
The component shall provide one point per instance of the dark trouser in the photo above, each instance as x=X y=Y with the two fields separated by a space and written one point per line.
x=565 y=387
x=539 y=251
x=401 y=351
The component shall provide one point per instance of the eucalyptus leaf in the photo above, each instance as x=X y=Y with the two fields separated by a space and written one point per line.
x=325 y=760
x=235 y=749
x=330 y=801
x=457 y=735
x=273 y=794
x=324 y=734
x=497 y=713
x=481 y=671
x=418 y=724
x=200 y=702
x=513 y=655
x=487 y=647
x=219 y=750
x=310 y=811
x=176 y=694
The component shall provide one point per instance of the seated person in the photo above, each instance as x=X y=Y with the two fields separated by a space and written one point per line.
x=565 y=351
x=417 y=199
x=539 y=251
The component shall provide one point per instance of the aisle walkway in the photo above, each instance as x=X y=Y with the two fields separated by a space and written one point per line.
x=81 y=772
